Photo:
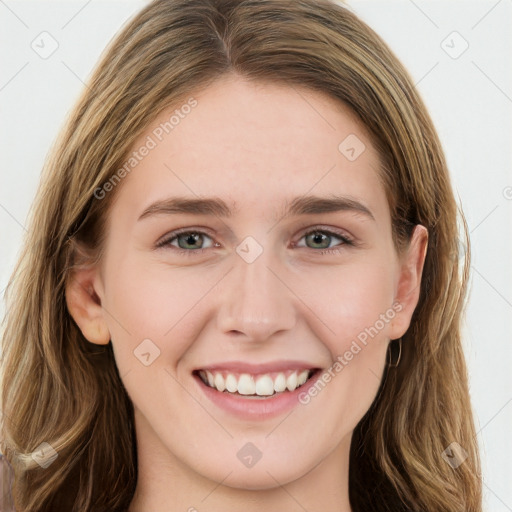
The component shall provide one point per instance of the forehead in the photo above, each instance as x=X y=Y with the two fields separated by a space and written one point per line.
x=257 y=145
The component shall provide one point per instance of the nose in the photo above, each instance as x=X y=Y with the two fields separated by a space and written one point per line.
x=255 y=302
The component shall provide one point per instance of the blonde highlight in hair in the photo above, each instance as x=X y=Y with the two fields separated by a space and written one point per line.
x=61 y=390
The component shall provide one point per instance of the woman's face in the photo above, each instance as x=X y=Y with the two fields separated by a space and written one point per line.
x=252 y=238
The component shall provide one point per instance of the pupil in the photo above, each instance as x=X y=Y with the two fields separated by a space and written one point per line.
x=320 y=239
x=190 y=240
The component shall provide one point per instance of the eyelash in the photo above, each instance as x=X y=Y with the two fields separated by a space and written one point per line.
x=166 y=242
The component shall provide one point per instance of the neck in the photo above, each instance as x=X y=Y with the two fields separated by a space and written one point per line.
x=166 y=484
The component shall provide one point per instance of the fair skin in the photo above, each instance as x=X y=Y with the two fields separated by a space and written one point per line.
x=257 y=147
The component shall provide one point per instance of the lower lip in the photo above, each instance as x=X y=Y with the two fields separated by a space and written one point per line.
x=257 y=408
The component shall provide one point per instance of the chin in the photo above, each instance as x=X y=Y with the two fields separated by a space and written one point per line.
x=262 y=476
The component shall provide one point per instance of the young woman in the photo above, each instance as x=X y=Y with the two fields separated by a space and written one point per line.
x=240 y=287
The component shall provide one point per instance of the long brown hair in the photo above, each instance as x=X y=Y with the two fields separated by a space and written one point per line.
x=58 y=389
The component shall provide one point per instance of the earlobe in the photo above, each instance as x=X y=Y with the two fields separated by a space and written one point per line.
x=409 y=283
x=84 y=305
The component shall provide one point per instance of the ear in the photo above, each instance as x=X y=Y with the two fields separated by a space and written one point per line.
x=408 y=287
x=83 y=292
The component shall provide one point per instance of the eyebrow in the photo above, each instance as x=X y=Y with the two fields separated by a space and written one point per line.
x=304 y=205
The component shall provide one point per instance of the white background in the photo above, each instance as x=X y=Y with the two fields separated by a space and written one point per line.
x=469 y=98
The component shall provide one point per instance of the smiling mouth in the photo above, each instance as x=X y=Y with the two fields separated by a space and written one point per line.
x=261 y=385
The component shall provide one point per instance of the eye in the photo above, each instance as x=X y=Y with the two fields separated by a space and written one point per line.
x=187 y=241
x=196 y=241
x=323 y=239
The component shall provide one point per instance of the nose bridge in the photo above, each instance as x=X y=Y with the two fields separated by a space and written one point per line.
x=255 y=303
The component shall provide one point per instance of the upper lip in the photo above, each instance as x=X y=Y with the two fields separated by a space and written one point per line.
x=274 y=366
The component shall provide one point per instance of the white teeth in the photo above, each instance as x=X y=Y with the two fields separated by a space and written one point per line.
x=219 y=382
x=291 y=381
x=246 y=385
x=261 y=385
x=264 y=386
x=231 y=383
x=303 y=377
x=280 y=383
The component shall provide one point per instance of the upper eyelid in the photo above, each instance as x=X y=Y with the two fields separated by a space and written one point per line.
x=331 y=231
x=182 y=231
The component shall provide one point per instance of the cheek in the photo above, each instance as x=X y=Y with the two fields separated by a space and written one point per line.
x=350 y=301
x=354 y=309
x=150 y=301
